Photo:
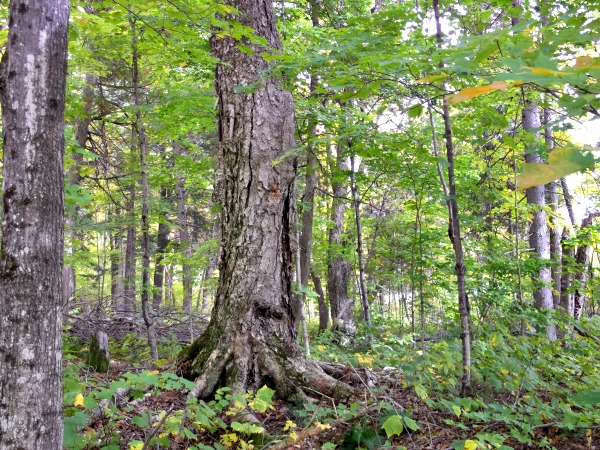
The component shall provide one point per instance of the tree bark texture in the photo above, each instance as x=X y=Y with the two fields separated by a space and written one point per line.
x=538 y=231
x=250 y=339
x=33 y=98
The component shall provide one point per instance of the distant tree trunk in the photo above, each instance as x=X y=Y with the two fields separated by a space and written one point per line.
x=250 y=339
x=582 y=265
x=185 y=248
x=364 y=295
x=143 y=150
x=116 y=281
x=32 y=95
x=129 y=262
x=338 y=267
x=552 y=203
x=162 y=242
x=323 y=309
x=538 y=231
x=308 y=204
x=568 y=258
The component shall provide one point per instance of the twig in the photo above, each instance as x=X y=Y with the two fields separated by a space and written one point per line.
x=157 y=427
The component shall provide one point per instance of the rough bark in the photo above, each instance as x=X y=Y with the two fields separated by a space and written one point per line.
x=250 y=339
x=31 y=258
x=538 y=230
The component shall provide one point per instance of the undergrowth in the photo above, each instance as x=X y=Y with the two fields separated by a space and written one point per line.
x=526 y=392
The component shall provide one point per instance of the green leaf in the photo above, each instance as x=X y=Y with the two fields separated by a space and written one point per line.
x=414 y=111
x=393 y=425
x=263 y=399
x=587 y=397
x=410 y=423
x=421 y=392
x=456 y=410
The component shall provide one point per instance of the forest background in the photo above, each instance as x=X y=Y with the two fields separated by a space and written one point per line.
x=427 y=260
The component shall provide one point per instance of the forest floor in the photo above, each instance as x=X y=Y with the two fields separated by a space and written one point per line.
x=356 y=424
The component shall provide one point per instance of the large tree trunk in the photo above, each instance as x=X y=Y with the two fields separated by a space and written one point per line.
x=538 y=231
x=250 y=339
x=32 y=91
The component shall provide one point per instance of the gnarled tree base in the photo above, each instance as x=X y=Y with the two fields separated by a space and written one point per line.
x=248 y=362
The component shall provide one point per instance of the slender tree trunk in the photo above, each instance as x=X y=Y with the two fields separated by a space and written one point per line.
x=116 y=280
x=323 y=309
x=568 y=258
x=338 y=267
x=552 y=203
x=162 y=242
x=251 y=339
x=129 y=262
x=143 y=148
x=184 y=241
x=364 y=295
x=32 y=94
x=454 y=232
x=582 y=265
x=538 y=231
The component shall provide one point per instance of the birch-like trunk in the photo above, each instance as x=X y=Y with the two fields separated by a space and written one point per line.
x=32 y=92
x=538 y=230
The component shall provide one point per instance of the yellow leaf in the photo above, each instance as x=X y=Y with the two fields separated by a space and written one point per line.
x=586 y=62
x=154 y=372
x=136 y=445
x=504 y=371
x=470 y=445
x=293 y=435
x=289 y=425
x=548 y=72
x=476 y=91
x=79 y=400
x=322 y=426
x=494 y=340
x=432 y=78
x=562 y=161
